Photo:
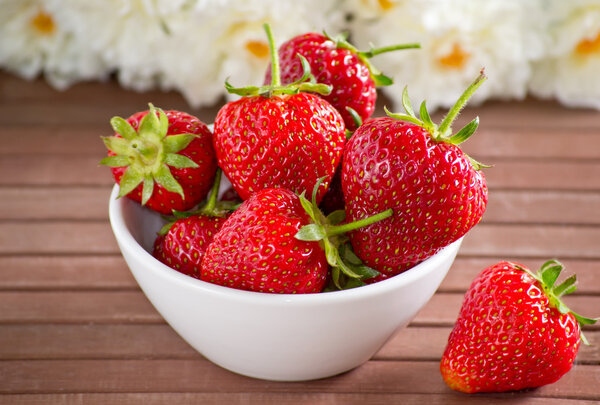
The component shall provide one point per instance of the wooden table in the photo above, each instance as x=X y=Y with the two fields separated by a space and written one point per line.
x=75 y=327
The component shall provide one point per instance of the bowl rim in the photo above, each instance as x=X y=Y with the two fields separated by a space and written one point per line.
x=126 y=241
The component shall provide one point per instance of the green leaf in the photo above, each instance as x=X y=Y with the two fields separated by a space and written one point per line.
x=464 y=133
x=550 y=271
x=355 y=117
x=308 y=207
x=166 y=179
x=403 y=117
x=165 y=228
x=311 y=232
x=245 y=91
x=566 y=287
x=320 y=181
x=407 y=104
x=148 y=189
x=424 y=114
x=117 y=145
x=355 y=263
x=163 y=123
x=179 y=161
x=583 y=320
x=176 y=143
x=115 y=161
x=123 y=128
x=382 y=80
x=306 y=71
x=130 y=180
x=336 y=217
x=477 y=165
x=331 y=253
x=149 y=123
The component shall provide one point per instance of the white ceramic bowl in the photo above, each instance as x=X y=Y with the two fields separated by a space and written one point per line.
x=269 y=336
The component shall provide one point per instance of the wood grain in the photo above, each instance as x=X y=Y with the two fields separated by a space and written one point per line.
x=286 y=398
x=374 y=377
x=31 y=341
x=75 y=328
x=132 y=306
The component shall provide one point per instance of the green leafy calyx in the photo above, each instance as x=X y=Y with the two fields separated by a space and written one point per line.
x=443 y=131
x=341 y=42
x=347 y=270
x=148 y=153
x=306 y=83
x=547 y=277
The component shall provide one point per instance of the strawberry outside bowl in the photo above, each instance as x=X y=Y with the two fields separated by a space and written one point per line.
x=270 y=336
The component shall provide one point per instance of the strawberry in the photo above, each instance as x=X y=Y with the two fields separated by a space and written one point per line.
x=415 y=167
x=181 y=244
x=165 y=160
x=336 y=62
x=513 y=331
x=279 y=242
x=278 y=136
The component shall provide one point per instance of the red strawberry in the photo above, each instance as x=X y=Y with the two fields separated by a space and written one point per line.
x=415 y=167
x=336 y=62
x=182 y=247
x=165 y=160
x=513 y=331
x=278 y=136
x=181 y=244
x=278 y=242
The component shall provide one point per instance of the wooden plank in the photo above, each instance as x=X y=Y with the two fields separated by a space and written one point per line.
x=443 y=309
x=159 y=341
x=69 y=237
x=76 y=307
x=285 y=398
x=543 y=175
x=464 y=270
x=93 y=341
x=54 y=203
x=65 y=272
x=537 y=143
x=54 y=170
x=374 y=377
x=54 y=139
x=133 y=307
x=546 y=242
x=547 y=207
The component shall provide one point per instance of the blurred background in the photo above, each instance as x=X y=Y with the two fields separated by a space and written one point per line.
x=544 y=48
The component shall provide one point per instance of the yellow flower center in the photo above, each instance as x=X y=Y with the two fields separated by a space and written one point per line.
x=456 y=59
x=385 y=4
x=43 y=23
x=258 y=48
x=588 y=46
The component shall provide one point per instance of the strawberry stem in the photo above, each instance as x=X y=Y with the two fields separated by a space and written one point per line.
x=378 y=51
x=446 y=125
x=275 y=70
x=339 y=229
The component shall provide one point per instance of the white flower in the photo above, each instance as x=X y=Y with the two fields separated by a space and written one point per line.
x=242 y=42
x=571 y=70
x=457 y=39
x=36 y=37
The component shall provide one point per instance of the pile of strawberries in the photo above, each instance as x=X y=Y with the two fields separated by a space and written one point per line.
x=324 y=198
